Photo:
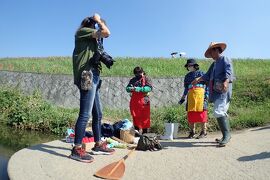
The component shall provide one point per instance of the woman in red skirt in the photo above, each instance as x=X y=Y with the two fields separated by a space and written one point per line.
x=197 y=96
x=139 y=88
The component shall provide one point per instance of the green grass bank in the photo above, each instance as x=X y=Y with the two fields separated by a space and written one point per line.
x=249 y=107
x=155 y=67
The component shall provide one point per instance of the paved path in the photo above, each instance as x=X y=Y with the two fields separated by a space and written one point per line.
x=246 y=157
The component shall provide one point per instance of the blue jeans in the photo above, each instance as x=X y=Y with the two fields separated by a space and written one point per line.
x=89 y=102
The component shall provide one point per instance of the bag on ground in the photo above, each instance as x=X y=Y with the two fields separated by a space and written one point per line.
x=127 y=135
x=107 y=130
x=148 y=141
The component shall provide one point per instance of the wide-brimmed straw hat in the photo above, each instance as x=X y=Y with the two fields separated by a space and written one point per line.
x=214 y=45
x=191 y=62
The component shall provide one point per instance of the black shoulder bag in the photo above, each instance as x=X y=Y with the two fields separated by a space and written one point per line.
x=148 y=141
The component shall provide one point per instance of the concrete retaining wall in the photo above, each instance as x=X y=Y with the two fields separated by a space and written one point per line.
x=60 y=90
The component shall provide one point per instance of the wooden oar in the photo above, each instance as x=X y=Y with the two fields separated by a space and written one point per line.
x=115 y=170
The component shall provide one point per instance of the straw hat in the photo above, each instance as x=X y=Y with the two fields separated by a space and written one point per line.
x=214 y=45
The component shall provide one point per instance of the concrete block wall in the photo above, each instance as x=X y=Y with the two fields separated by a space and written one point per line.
x=60 y=90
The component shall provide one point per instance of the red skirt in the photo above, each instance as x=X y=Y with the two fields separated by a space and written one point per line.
x=194 y=117
x=140 y=110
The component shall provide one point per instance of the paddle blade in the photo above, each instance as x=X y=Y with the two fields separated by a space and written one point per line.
x=114 y=170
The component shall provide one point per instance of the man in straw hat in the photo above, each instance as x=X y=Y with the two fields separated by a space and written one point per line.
x=220 y=76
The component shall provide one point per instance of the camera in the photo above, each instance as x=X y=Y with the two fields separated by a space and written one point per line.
x=106 y=59
x=95 y=60
x=103 y=57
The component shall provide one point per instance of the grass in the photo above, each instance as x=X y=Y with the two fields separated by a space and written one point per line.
x=249 y=107
x=155 y=67
x=31 y=112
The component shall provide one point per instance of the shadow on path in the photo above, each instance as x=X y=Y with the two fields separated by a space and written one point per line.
x=188 y=144
x=262 y=128
x=263 y=155
x=49 y=149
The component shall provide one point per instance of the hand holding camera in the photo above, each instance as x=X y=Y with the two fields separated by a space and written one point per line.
x=97 y=18
x=100 y=55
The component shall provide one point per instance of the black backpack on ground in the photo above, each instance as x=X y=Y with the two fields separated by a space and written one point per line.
x=107 y=130
x=148 y=141
x=117 y=127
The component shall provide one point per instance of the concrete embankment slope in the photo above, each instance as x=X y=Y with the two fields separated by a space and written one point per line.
x=246 y=157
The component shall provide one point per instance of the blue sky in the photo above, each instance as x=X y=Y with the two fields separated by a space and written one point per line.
x=139 y=28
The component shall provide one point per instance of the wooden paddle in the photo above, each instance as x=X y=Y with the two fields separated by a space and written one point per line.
x=115 y=170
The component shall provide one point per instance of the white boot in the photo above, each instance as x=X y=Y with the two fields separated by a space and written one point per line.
x=175 y=130
x=168 y=132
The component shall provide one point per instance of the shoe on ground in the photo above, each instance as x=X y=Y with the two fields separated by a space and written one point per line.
x=221 y=144
x=102 y=149
x=224 y=141
x=191 y=135
x=79 y=154
x=202 y=135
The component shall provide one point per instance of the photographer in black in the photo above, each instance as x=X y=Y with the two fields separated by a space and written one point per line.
x=87 y=58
